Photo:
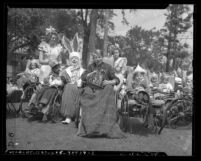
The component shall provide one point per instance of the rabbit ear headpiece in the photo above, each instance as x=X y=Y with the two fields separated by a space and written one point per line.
x=71 y=46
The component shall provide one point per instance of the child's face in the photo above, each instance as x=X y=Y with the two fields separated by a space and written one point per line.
x=139 y=77
x=154 y=80
x=56 y=69
x=165 y=80
x=33 y=66
x=189 y=82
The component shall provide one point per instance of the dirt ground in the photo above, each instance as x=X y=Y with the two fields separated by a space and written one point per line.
x=36 y=135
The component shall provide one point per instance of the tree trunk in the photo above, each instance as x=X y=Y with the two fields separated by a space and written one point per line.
x=85 y=54
x=168 y=54
x=175 y=51
x=105 y=33
x=92 y=36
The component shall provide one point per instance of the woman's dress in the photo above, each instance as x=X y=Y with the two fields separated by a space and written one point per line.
x=50 y=53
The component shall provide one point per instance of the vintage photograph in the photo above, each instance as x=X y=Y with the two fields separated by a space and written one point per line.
x=118 y=80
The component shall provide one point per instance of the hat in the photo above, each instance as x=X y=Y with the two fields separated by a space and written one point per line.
x=50 y=30
x=53 y=64
x=139 y=69
x=74 y=54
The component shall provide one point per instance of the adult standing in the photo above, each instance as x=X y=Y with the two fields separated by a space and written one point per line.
x=71 y=76
x=49 y=50
x=119 y=67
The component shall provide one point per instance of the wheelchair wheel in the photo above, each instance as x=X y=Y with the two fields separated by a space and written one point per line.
x=55 y=111
x=12 y=100
x=27 y=94
x=179 y=113
x=124 y=114
x=144 y=100
x=163 y=116
x=160 y=117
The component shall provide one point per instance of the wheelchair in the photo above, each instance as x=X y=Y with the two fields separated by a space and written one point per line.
x=161 y=104
x=29 y=89
x=139 y=104
x=13 y=98
x=54 y=105
x=11 y=102
x=179 y=111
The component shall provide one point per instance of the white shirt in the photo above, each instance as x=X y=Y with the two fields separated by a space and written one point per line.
x=166 y=87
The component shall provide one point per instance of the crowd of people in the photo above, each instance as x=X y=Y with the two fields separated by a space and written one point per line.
x=97 y=91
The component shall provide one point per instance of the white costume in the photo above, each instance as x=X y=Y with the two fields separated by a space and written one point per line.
x=166 y=87
x=121 y=62
x=51 y=53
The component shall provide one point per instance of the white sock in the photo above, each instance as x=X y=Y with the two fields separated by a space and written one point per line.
x=67 y=120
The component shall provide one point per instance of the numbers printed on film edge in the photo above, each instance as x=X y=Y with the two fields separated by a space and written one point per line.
x=11 y=140
x=84 y=153
x=51 y=152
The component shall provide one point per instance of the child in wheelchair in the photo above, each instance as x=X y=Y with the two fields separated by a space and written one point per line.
x=139 y=95
x=139 y=81
x=43 y=100
x=163 y=89
x=30 y=75
x=11 y=86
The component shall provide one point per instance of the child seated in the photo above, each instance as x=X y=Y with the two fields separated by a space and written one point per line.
x=154 y=81
x=31 y=73
x=11 y=87
x=44 y=97
x=165 y=86
x=139 y=81
x=154 y=84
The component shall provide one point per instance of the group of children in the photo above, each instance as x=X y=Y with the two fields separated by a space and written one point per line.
x=138 y=80
x=134 y=81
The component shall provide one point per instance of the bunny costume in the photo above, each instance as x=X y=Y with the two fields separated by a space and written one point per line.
x=72 y=78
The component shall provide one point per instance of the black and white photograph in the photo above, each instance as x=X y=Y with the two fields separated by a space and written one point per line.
x=100 y=79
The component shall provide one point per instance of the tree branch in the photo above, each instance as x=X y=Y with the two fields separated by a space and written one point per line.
x=19 y=46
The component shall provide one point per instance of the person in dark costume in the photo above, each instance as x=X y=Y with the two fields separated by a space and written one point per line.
x=97 y=101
